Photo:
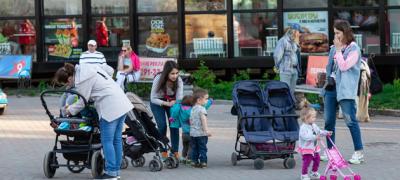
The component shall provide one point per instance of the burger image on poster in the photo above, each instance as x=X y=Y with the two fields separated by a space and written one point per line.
x=312 y=42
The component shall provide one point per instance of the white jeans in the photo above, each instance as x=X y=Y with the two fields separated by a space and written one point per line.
x=131 y=77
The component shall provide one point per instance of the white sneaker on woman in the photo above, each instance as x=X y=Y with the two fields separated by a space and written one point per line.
x=357 y=158
x=305 y=177
x=314 y=175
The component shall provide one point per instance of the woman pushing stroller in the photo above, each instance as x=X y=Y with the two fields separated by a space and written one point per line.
x=92 y=82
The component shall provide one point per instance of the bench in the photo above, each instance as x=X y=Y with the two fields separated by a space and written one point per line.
x=395 y=43
x=208 y=46
x=270 y=44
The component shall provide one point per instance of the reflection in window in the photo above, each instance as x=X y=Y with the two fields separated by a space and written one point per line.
x=365 y=28
x=347 y=3
x=17 y=8
x=254 y=4
x=157 y=5
x=62 y=38
x=393 y=36
x=251 y=33
x=206 y=35
x=158 y=36
x=110 y=6
x=204 y=5
x=109 y=33
x=18 y=37
x=393 y=2
x=304 y=3
x=62 y=7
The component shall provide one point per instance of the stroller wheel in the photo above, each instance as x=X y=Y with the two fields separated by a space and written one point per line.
x=357 y=177
x=124 y=163
x=50 y=166
x=97 y=164
x=169 y=162
x=234 y=159
x=333 y=177
x=322 y=178
x=289 y=163
x=138 y=162
x=258 y=163
x=76 y=167
x=155 y=165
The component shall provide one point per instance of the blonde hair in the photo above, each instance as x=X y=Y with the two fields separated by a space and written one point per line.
x=306 y=111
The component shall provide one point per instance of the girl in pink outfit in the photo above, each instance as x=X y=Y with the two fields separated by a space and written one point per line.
x=309 y=135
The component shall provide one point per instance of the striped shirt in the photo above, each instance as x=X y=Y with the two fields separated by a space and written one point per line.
x=95 y=57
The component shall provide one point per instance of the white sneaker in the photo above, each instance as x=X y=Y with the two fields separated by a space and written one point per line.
x=323 y=157
x=305 y=177
x=357 y=158
x=314 y=175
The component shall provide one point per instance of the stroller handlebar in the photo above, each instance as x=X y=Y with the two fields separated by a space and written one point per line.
x=44 y=104
x=270 y=116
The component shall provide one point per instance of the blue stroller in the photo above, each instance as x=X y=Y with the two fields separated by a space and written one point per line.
x=266 y=120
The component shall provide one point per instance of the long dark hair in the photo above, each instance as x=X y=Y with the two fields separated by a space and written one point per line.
x=162 y=83
x=64 y=73
x=344 y=26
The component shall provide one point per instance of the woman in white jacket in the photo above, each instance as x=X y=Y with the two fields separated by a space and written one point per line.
x=94 y=83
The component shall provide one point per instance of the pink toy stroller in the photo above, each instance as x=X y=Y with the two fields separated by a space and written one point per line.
x=336 y=164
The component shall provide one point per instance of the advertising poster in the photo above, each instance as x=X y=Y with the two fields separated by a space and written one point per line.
x=149 y=67
x=13 y=66
x=62 y=35
x=159 y=39
x=314 y=29
x=315 y=65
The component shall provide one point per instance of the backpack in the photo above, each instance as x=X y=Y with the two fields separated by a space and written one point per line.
x=376 y=85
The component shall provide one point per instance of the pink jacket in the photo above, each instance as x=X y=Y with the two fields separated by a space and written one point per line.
x=135 y=61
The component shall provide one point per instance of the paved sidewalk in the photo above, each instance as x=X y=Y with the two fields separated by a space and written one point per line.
x=25 y=136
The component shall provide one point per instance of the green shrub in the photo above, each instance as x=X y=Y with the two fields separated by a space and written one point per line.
x=389 y=98
x=204 y=77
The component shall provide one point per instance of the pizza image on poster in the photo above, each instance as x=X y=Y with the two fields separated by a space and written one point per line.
x=314 y=29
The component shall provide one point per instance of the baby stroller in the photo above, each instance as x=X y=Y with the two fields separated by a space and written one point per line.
x=81 y=148
x=336 y=163
x=266 y=120
x=147 y=138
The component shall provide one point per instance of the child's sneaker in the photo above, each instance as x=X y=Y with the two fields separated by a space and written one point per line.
x=357 y=158
x=324 y=157
x=203 y=165
x=194 y=165
x=176 y=154
x=182 y=160
x=164 y=156
x=188 y=161
x=305 y=177
x=314 y=175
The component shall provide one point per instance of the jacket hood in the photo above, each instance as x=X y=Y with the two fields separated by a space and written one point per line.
x=84 y=72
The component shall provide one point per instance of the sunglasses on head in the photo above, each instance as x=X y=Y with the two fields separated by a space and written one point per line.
x=123 y=50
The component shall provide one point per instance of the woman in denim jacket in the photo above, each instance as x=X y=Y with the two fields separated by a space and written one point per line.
x=344 y=67
x=287 y=56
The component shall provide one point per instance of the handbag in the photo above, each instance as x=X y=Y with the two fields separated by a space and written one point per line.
x=330 y=82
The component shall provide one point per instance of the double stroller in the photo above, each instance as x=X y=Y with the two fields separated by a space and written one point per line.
x=80 y=147
x=267 y=121
x=142 y=136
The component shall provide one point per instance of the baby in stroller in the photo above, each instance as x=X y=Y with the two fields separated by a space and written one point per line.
x=309 y=136
x=142 y=137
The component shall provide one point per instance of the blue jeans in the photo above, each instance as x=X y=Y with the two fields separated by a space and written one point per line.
x=349 y=113
x=290 y=80
x=199 y=149
x=161 y=120
x=111 y=139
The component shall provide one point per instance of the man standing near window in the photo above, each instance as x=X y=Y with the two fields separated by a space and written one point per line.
x=92 y=56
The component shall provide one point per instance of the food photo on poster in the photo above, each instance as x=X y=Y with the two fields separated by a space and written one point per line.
x=159 y=39
x=314 y=30
x=62 y=38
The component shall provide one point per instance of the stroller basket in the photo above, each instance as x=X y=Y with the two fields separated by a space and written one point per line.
x=75 y=151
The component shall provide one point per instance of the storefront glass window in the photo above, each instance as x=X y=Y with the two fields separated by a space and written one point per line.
x=158 y=36
x=157 y=5
x=205 y=5
x=63 y=39
x=206 y=35
x=393 y=2
x=365 y=27
x=393 y=35
x=314 y=29
x=349 y=3
x=251 y=33
x=110 y=33
x=18 y=37
x=62 y=7
x=17 y=8
x=287 y=4
x=254 y=4
x=110 y=6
